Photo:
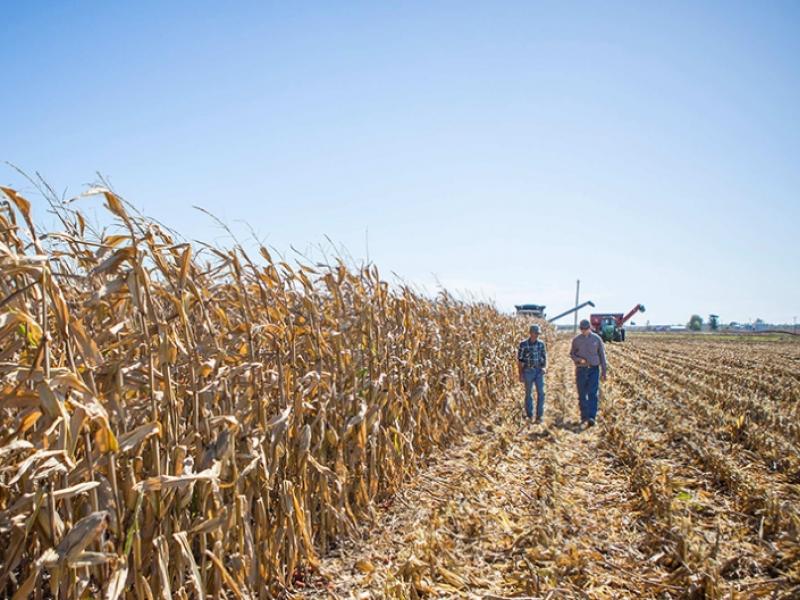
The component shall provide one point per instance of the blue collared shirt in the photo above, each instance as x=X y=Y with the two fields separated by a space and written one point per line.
x=532 y=354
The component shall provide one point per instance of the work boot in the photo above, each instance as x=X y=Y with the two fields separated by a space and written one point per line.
x=590 y=422
x=539 y=420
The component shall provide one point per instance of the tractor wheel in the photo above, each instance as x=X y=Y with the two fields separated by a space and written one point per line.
x=616 y=337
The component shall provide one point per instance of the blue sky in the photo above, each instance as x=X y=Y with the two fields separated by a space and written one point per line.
x=502 y=149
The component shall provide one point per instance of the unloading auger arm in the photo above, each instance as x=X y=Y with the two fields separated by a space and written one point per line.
x=571 y=310
x=633 y=311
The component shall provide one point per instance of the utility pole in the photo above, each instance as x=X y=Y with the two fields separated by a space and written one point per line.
x=577 y=301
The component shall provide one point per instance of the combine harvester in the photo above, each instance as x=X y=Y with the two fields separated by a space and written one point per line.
x=610 y=326
x=530 y=310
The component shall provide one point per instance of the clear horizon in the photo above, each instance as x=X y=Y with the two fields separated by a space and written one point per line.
x=500 y=151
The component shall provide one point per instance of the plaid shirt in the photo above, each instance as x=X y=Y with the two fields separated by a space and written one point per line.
x=532 y=354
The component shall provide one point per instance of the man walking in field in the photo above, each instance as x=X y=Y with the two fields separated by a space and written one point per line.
x=589 y=355
x=531 y=367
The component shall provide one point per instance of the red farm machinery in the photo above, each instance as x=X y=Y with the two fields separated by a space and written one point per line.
x=610 y=326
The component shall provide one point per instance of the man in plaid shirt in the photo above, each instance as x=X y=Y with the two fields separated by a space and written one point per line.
x=531 y=367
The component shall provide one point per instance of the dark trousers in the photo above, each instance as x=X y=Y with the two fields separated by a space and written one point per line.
x=534 y=378
x=588 y=380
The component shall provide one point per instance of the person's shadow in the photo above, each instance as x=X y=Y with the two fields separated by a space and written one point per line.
x=573 y=426
x=534 y=432
x=541 y=434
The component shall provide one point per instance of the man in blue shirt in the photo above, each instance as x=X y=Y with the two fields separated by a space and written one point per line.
x=531 y=367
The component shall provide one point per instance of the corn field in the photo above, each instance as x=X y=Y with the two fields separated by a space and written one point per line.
x=181 y=421
x=184 y=421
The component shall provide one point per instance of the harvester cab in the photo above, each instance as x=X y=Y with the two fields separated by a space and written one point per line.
x=610 y=326
x=530 y=310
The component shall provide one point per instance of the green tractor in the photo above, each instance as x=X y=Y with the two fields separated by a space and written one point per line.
x=610 y=326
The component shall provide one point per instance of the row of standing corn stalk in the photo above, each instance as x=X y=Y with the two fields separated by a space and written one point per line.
x=182 y=421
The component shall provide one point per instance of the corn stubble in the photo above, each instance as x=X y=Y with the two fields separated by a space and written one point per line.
x=686 y=488
x=178 y=427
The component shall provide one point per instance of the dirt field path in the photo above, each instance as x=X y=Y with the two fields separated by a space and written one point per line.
x=538 y=511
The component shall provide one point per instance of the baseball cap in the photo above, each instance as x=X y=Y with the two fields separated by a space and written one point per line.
x=535 y=329
x=585 y=324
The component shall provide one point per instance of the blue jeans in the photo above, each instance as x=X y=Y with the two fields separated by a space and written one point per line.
x=588 y=380
x=534 y=376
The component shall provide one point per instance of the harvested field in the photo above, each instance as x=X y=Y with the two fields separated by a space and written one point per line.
x=688 y=487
